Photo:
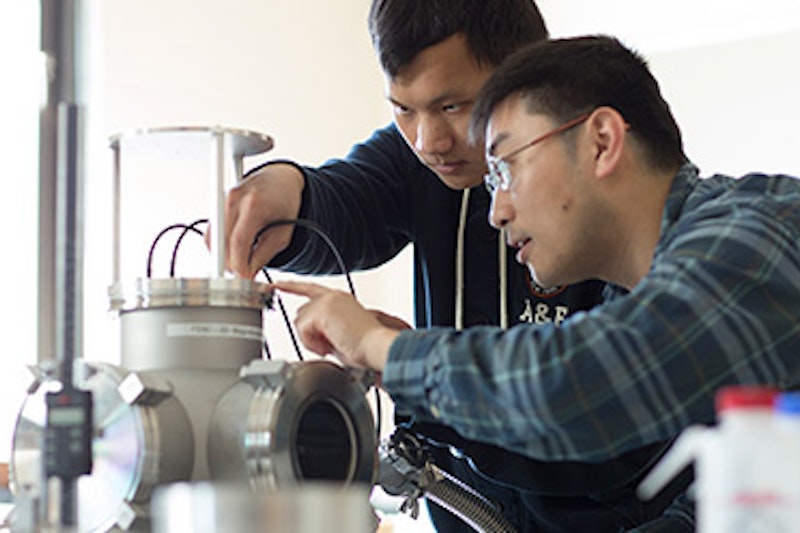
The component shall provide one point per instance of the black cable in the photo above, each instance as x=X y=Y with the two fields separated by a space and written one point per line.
x=378 y=414
x=286 y=321
x=267 y=353
x=422 y=264
x=319 y=230
x=163 y=232
x=426 y=287
x=337 y=255
x=187 y=229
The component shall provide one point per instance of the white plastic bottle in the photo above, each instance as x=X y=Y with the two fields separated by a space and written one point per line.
x=787 y=422
x=736 y=472
x=743 y=479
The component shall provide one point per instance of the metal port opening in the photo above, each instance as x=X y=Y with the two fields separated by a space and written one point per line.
x=326 y=443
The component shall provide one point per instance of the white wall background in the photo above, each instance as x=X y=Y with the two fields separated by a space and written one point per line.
x=304 y=73
x=19 y=122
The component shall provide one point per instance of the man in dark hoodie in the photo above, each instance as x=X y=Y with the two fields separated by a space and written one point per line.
x=419 y=181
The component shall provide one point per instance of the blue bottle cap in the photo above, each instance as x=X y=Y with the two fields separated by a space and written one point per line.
x=788 y=403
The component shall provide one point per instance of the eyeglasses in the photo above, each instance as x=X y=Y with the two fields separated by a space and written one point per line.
x=499 y=175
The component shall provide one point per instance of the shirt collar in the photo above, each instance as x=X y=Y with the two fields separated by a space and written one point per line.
x=684 y=182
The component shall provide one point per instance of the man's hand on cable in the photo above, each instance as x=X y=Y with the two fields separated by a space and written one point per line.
x=272 y=193
x=333 y=322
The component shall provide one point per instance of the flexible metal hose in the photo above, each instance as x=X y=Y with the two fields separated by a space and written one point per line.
x=463 y=501
x=405 y=470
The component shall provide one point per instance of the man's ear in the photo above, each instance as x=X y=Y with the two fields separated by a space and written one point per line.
x=607 y=132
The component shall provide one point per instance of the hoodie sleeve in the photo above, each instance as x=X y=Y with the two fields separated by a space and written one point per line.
x=363 y=204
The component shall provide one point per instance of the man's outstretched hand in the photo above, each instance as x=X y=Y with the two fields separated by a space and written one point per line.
x=333 y=322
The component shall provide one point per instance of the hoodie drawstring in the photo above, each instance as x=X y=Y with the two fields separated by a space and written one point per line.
x=501 y=259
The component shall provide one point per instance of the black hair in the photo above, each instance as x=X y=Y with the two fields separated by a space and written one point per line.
x=401 y=29
x=565 y=78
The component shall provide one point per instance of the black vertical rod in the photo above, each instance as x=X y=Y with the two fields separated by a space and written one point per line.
x=69 y=239
x=61 y=185
x=48 y=118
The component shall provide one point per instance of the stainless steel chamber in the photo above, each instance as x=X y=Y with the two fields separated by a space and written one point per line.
x=193 y=399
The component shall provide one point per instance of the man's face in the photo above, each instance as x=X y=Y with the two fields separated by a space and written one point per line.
x=550 y=214
x=432 y=98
